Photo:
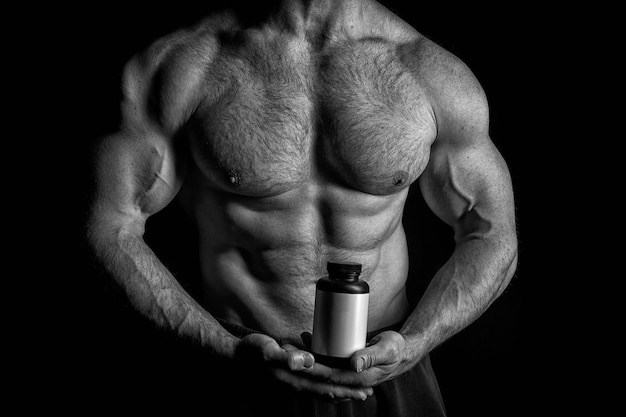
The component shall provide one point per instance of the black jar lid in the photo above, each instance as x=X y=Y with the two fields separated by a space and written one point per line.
x=348 y=270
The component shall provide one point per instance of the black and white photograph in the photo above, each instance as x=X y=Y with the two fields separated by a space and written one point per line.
x=310 y=208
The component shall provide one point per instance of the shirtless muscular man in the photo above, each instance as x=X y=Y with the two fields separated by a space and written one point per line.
x=292 y=142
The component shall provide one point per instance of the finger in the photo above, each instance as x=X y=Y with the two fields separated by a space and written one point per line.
x=298 y=359
x=386 y=349
x=326 y=389
x=268 y=348
x=327 y=374
x=287 y=355
x=319 y=372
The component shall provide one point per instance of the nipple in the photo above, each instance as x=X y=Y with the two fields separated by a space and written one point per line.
x=400 y=178
x=234 y=177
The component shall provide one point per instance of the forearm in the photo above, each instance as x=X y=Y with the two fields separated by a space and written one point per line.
x=155 y=293
x=473 y=277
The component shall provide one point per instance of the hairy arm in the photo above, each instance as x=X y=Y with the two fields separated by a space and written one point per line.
x=138 y=172
x=467 y=184
x=133 y=183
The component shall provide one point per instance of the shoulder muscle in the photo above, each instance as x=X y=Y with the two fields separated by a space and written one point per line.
x=138 y=170
x=458 y=100
x=163 y=84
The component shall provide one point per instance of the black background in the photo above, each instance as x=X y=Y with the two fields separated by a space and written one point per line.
x=509 y=362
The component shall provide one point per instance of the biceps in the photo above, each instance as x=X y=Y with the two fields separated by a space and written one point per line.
x=469 y=189
x=135 y=176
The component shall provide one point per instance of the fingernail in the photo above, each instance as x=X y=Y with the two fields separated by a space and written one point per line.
x=360 y=364
x=308 y=361
x=296 y=362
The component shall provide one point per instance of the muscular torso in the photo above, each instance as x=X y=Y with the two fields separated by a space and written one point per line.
x=300 y=155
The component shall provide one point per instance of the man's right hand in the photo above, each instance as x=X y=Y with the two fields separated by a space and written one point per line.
x=293 y=367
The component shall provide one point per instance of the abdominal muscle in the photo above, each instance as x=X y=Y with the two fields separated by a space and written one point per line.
x=261 y=257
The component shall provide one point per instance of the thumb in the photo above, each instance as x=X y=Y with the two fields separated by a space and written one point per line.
x=384 y=349
x=262 y=346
